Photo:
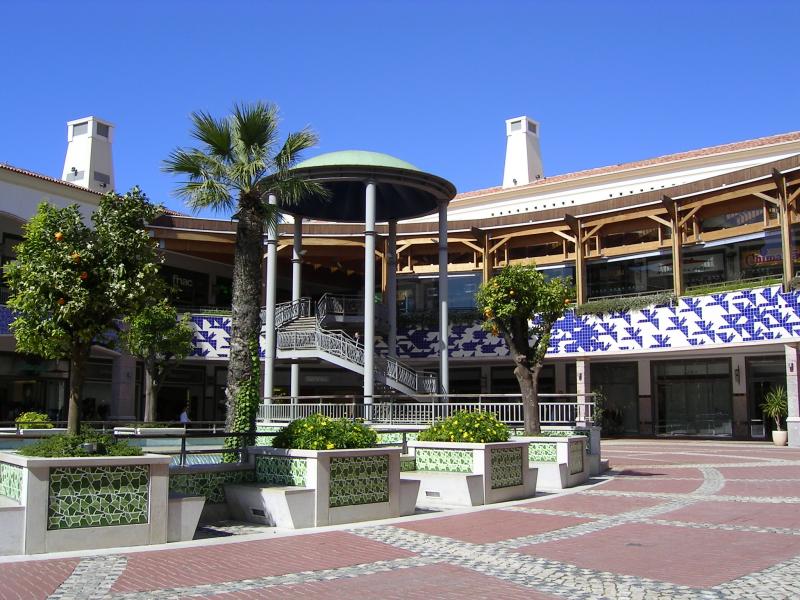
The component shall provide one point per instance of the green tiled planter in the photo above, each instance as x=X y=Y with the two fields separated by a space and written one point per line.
x=88 y=503
x=503 y=467
x=561 y=459
x=207 y=480
x=349 y=485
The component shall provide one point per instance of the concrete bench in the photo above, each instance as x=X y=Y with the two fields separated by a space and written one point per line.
x=183 y=515
x=464 y=489
x=291 y=507
x=12 y=526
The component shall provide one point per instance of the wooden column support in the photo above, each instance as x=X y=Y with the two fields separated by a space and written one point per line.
x=786 y=229
x=677 y=244
x=580 y=263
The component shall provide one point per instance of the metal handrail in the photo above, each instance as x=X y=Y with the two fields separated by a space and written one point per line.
x=346 y=305
x=291 y=311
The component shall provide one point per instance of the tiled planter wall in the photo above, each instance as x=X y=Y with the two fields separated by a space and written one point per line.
x=207 y=481
x=88 y=503
x=349 y=485
x=561 y=459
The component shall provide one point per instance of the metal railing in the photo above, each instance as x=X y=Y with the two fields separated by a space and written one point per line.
x=341 y=345
x=347 y=306
x=388 y=412
x=290 y=311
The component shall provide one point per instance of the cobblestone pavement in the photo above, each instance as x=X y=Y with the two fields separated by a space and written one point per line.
x=674 y=520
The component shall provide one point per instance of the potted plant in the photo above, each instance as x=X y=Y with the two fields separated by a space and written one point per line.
x=776 y=406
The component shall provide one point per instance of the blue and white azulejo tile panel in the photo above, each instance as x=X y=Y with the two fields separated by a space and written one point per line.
x=743 y=316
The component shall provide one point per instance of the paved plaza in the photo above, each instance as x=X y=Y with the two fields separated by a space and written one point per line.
x=674 y=520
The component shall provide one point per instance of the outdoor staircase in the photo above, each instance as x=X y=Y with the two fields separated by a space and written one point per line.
x=301 y=336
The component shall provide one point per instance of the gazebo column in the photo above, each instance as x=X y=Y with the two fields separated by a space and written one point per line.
x=444 y=320
x=391 y=288
x=271 y=282
x=297 y=272
x=369 y=293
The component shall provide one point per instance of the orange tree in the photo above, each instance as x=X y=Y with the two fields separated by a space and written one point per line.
x=71 y=282
x=522 y=306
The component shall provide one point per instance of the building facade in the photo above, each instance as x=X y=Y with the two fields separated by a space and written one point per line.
x=685 y=314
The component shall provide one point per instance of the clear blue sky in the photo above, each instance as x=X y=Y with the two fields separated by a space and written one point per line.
x=428 y=81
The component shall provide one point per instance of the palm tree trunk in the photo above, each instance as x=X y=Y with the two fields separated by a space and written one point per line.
x=245 y=314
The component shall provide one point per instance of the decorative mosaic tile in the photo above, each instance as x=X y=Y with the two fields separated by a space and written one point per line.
x=98 y=496
x=506 y=467
x=281 y=470
x=210 y=484
x=542 y=452
x=359 y=480
x=407 y=463
x=576 y=453
x=440 y=459
x=11 y=481
x=396 y=437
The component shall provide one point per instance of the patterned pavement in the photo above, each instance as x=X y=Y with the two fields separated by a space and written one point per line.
x=675 y=520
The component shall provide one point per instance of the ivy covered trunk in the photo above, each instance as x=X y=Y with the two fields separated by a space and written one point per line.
x=243 y=373
x=78 y=360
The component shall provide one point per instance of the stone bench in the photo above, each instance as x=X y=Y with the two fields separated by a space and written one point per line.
x=286 y=506
x=562 y=461
x=12 y=526
x=183 y=515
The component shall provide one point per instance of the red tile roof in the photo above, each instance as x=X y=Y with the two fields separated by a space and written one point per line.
x=710 y=151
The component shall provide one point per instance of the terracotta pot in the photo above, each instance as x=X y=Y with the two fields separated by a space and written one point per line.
x=779 y=438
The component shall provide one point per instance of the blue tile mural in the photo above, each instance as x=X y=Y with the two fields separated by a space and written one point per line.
x=744 y=316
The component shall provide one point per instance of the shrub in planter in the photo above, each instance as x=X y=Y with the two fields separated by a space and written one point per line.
x=464 y=426
x=318 y=432
x=60 y=446
x=33 y=420
x=776 y=405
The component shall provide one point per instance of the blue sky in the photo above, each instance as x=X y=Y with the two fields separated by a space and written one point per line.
x=429 y=81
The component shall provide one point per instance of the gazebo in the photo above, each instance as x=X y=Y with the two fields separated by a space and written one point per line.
x=369 y=188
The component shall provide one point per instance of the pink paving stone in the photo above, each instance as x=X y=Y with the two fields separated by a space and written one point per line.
x=652 y=485
x=776 y=472
x=761 y=488
x=442 y=582
x=488 y=526
x=248 y=560
x=603 y=505
x=738 y=513
x=679 y=555
x=34 y=579
x=655 y=471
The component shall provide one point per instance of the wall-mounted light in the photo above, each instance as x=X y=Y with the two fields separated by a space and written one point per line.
x=791 y=367
x=736 y=374
x=580 y=376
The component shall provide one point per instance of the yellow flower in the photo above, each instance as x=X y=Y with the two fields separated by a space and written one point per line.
x=330 y=445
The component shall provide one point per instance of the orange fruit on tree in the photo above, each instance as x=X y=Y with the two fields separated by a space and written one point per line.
x=84 y=276
x=59 y=236
x=61 y=301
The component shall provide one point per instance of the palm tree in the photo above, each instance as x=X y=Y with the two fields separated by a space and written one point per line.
x=236 y=168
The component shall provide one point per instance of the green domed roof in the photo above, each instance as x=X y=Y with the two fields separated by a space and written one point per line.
x=356 y=158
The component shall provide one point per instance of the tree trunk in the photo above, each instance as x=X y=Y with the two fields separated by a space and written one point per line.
x=78 y=359
x=150 y=395
x=527 y=377
x=245 y=313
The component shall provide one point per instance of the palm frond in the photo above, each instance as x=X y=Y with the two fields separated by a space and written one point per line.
x=255 y=127
x=216 y=134
x=207 y=193
x=208 y=183
x=295 y=143
x=291 y=190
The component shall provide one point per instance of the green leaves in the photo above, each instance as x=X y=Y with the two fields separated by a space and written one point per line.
x=156 y=334
x=318 y=432
x=465 y=426
x=522 y=305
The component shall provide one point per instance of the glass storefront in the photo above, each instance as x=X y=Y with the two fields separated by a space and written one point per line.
x=693 y=398
x=764 y=373
x=619 y=383
x=631 y=276
x=418 y=294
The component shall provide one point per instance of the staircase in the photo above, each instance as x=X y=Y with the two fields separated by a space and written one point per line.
x=301 y=336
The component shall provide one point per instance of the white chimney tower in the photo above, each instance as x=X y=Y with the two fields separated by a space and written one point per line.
x=523 y=156
x=88 y=162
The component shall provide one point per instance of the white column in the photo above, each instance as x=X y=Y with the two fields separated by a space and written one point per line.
x=583 y=386
x=369 y=292
x=297 y=273
x=271 y=282
x=444 y=321
x=391 y=288
x=793 y=394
